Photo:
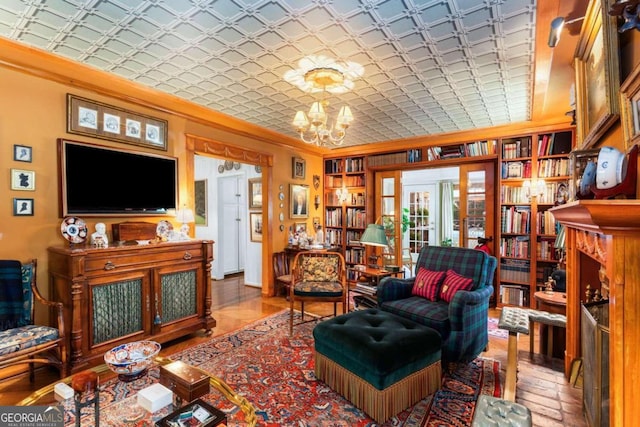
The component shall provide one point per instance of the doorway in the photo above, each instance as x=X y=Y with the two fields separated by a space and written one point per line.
x=232 y=227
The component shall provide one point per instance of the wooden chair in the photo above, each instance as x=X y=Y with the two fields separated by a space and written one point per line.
x=318 y=276
x=281 y=274
x=21 y=340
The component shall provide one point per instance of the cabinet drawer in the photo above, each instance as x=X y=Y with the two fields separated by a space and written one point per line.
x=153 y=257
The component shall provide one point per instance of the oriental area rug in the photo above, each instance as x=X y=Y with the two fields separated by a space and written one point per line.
x=275 y=372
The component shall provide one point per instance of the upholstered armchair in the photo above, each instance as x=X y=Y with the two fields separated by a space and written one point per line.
x=21 y=340
x=317 y=276
x=451 y=295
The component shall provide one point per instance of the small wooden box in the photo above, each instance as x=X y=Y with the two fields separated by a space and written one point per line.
x=184 y=380
x=133 y=230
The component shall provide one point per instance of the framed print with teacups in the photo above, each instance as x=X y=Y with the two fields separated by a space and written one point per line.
x=630 y=108
x=298 y=168
x=597 y=75
x=255 y=193
x=92 y=118
x=22 y=153
x=255 y=221
x=22 y=207
x=299 y=197
x=23 y=180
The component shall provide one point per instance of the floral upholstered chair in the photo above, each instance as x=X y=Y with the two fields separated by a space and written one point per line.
x=22 y=341
x=317 y=276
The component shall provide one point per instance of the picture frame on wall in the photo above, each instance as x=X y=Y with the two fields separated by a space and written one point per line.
x=22 y=207
x=298 y=168
x=200 y=195
x=255 y=193
x=23 y=180
x=597 y=75
x=99 y=120
x=630 y=108
x=300 y=227
x=299 y=197
x=22 y=153
x=255 y=222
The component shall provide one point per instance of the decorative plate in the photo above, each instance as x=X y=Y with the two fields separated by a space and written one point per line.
x=164 y=229
x=228 y=165
x=221 y=168
x=258 y=169
x=236 y=165
x=74 y=229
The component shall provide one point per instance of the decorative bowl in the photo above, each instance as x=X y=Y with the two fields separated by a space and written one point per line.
x=609 y=171
x=131 y=360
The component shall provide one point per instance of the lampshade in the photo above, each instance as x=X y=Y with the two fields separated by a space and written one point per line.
x=374 y=235
x=185 y=215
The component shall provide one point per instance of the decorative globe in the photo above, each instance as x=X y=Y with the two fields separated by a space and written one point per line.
x=131 y=360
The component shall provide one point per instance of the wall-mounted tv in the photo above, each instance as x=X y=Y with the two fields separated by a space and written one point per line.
x=103 y=181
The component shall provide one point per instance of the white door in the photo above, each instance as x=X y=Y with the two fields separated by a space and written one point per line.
x=420 y=200
x=232 y=202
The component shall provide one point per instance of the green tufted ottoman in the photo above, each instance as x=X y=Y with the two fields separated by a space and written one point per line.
x=380 y=362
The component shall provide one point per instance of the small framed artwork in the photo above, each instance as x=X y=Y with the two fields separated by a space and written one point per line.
x=22 y=153
x=22 y=207
x=630 y=108
x=299 y=196
x=298 y=168
x=255 y=193
x=300 y=227
x=200 y=194
x=23 y=180
x=255 y=222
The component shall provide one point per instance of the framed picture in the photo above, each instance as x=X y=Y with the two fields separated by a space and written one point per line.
x=200 y=194
x=255 y=222
x=597 y=75
x=92 y=118
x=300 y=227
x=196 y=414
x=298 y=167
x=630 y=108
x=22 y=207
x=22 y=153
x=255 y=193
x=23 y=180
x=299 y=196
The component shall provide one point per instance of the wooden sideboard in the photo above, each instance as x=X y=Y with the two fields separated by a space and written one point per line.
x=603 y=251
x=127 y=293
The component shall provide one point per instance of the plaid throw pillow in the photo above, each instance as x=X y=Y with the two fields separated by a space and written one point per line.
x=427 y=283
x=453 y=282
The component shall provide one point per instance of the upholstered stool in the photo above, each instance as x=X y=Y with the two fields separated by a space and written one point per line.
x=380 y=362
x=545 y=318
x=516 y=321
x=491 y=411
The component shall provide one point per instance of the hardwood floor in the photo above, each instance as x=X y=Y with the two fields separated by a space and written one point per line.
x=541 y=384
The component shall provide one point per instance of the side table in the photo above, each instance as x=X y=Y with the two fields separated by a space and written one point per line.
x=367 y=290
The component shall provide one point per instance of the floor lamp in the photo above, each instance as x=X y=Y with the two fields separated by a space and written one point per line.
x=374 y=235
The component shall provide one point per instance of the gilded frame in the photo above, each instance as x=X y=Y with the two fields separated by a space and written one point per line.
x=255 y=193
x=597 y=75
x=200 y=196
x=98 y=120
x=630 y=108
x=299 y=201
x=255 y=222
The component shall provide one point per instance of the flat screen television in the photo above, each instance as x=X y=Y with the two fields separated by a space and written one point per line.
x=102 y=181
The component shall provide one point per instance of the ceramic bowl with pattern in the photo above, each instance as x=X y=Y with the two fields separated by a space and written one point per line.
x=609 y=171
x=131 y=360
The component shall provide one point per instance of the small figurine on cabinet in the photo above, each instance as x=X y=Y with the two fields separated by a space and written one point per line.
x=99 y=239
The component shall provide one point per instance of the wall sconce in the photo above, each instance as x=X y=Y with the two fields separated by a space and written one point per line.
x=342 y=194
x=533 y=188
x=316 y=201
x=556 y=28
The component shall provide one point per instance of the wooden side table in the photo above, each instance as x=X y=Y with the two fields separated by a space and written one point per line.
x=555 y=302
x=374 y=275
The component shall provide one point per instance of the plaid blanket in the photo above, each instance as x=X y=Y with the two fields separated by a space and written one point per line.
x=11 y=295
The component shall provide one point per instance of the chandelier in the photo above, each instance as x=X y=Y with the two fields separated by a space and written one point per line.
x=322 y=74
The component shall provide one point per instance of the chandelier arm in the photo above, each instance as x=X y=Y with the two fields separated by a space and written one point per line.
x=310 y=141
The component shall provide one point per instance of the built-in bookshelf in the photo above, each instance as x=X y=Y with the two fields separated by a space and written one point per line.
x=344 y=201
x=534 y=174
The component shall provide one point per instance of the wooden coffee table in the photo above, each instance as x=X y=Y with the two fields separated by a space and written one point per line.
x=46 y=394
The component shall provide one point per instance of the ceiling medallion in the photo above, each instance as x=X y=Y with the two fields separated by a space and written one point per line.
x=322 y=74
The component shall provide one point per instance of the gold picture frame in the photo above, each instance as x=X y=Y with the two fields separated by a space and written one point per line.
x=299 y=201
x=298 y=168
x=98 y=120
x=597 y=75
x=255 y=193
x=630 y=108
x=200 y=195
x=255 y=222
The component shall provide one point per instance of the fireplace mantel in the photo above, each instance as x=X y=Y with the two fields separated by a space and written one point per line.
x=607 y=233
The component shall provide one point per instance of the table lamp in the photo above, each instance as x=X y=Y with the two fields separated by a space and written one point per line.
x=374 y=235
x=185 y=216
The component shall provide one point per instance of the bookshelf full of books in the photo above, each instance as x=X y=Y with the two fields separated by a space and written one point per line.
x=344 y=205
x=534 y=174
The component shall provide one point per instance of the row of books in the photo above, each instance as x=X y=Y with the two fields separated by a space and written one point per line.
x=554 y=143
x=546 y=250
x=333 y=236
x=354 y=164
x=514 y=295
x=353 y=199
x=516 y=169
x=515 y=247
x=480 y=148
x=516 y=149
x=515 y=219
x=513 y=194
x=347 y=181
x=387 y=159
x=333 y=217
x=353 y=237
x=354 y=255
x=545 y=223
x=515 y=270
x=414 y=155
x=553 y=167
x=356 y=218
